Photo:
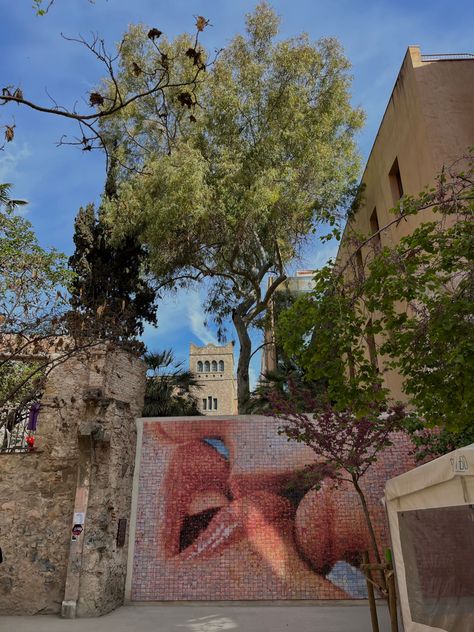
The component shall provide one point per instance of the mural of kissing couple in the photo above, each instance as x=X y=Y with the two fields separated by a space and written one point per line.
x=219 y=516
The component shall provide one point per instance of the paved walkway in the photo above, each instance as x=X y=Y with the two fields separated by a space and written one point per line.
x=211 y=618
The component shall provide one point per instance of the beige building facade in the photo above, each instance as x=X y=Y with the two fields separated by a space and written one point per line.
x=214 y=367
x=428 y=123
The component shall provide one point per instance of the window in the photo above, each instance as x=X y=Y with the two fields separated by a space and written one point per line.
x=374 y=229
x=221 y=366
x=209 y=402
x=199 y=366
x=371 y=344
x=214 y=366
x=215 y=403
x=207 y=366
x=395 y=182
x=360 y=264
x=204 y=404
x=439 y=586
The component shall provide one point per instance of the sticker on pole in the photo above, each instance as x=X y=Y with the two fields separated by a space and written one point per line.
x=77 y=530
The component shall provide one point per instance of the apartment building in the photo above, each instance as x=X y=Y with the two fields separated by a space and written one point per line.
x=428 y=123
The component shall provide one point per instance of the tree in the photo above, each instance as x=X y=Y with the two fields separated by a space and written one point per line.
x=162 y=80
x=168 y=387
x=422 y=292
x=32 y=309
x=326 y=332
x=431 y=442
x=110 y=291
x=268 y=155
x=345 y=444
x=285 y=375
x=106 y=287
x=43 y=6
x=419 y=295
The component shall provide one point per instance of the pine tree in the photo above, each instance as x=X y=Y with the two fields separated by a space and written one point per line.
x=111 y=294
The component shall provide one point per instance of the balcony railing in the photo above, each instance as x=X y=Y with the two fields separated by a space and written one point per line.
x=18 y=427
x=447 y=57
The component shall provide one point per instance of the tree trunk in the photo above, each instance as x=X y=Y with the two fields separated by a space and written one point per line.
x=368 y=521
x=373 y=539
x=243 y=381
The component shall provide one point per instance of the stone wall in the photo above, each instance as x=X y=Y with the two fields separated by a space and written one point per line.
x=86 y=423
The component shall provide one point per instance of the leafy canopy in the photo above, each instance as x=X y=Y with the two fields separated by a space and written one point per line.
x=32 y=283
x=110 y=292
x=265 y=153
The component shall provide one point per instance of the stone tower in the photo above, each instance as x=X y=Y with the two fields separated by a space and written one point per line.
x=214 y=368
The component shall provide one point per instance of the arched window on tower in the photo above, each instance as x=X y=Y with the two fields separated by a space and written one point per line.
x=214 y=366
x=207 y=366
x=199 y=366
x=221 y=366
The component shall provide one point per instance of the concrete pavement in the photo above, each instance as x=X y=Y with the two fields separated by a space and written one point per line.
x=285 y=617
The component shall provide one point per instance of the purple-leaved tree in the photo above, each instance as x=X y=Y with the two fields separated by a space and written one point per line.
x=345 y=445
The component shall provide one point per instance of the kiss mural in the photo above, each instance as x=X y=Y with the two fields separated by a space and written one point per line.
x=219 y=515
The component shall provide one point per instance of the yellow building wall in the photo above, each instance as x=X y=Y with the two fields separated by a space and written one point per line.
x=428 y=123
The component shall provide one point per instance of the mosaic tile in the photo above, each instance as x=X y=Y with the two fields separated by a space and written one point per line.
x=217 y=519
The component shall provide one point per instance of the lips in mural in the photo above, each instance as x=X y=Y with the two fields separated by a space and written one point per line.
x=219 y=520
x=202 y=476
x=242 y=518
x=211 y=509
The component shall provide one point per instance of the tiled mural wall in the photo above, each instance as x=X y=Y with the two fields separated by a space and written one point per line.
x=219 y=515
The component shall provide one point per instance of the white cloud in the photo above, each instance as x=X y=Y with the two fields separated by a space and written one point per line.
x=172 y=317
x=196 y=319
x=322 y=255
x=11 y=158
x=253 y=378
x=180 y=315
x=314 y=255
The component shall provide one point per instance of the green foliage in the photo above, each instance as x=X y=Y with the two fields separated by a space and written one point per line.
x=323 y=331
x=267 y=156
x=431 y=341
x=416 y=299
x=433 y=442
x=30 y=276
x=288 y=376
x=42 y=7
x=150 y=124
x=5 y=199
x=110 y=290
x=168 y=387
x=19 y=381
x=38 y=6
x=32 y=283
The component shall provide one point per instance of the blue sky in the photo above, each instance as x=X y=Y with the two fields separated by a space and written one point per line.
x=57 y=181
